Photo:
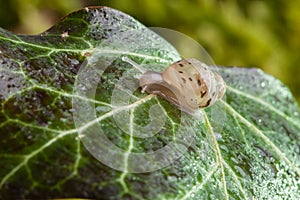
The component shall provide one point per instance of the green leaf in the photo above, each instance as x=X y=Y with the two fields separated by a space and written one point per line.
x=246 y=146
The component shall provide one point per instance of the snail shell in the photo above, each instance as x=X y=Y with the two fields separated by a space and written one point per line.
x=187 y=83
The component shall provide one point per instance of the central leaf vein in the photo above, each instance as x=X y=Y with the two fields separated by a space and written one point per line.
x=218 y=154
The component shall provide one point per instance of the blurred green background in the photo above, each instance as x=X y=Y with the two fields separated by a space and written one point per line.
x=252 y=33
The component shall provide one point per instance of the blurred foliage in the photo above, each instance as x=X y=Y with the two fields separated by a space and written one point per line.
x=250 y=33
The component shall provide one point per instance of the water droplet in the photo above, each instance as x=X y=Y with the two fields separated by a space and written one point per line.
x=74 y=62
x=234 y=160
x=223 y=147
x=29 y=137
x=172 y=178
x=102 y=109
x=241 y=171
x=63 y=119
x=263 y=84
x=218 y=136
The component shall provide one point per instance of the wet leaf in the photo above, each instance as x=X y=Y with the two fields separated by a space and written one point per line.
x=245 y=146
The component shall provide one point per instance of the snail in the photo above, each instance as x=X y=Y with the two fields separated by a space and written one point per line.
x=188 y=83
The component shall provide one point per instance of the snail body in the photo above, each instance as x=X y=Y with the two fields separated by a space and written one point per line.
x=187 y=83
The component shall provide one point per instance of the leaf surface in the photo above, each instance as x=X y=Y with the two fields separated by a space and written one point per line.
x=246 y=146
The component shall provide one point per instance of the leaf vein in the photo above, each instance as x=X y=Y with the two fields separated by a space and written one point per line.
x=289 y=119
x=218 y=154
x=198 y=187
x=260 y=134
